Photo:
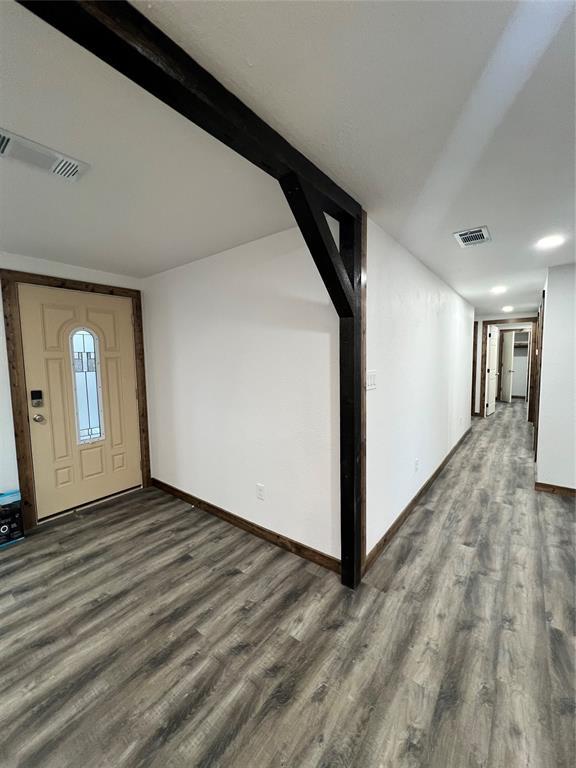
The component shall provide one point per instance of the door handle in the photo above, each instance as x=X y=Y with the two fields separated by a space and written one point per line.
x=38 y=418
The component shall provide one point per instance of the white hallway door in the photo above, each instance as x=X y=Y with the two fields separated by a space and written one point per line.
x=492 y=369
x=81 y=379
x=507 y=367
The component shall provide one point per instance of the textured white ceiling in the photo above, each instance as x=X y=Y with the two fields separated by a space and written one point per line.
x=436 y=116
x=160 y=191
x=377 y=94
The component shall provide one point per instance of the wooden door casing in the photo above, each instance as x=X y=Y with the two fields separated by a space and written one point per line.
x=9 y=280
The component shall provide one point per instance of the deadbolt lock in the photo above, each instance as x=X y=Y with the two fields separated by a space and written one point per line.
x=36 y=398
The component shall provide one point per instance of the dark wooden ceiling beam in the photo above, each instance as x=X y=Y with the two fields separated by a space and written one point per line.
x=121 y=36
x=314 y=227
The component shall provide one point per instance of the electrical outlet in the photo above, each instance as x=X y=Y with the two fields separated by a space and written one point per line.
x=260 y=491
x=416 y=465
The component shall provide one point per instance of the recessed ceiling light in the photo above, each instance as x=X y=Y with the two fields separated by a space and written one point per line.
x=498 y=289
x=507 y=308
x=550 y=241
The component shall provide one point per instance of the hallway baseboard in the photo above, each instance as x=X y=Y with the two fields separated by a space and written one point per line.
x=378 y=548
x=559 y=490
x=308 y=553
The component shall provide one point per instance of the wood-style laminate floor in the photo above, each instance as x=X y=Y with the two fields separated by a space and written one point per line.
x=147 y=634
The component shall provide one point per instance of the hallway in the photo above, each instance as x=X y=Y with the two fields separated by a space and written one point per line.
x=226 y=651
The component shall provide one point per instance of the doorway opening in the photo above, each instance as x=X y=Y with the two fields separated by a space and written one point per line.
x=508 y=371
x=521 y=344
x=513 y=364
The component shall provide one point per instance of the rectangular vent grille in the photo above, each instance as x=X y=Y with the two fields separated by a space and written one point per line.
x=37 y=155
x=469 y=237
x=66 y=168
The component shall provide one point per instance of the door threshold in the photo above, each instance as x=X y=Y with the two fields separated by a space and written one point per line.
x=88 y=505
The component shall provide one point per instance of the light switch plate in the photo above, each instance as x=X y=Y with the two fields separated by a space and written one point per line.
x=370 y=379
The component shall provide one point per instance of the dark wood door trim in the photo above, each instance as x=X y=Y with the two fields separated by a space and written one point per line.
x=499 y=381
x=126 y=40
x=485 y=323
x=473 y=410
x=536 y=370
x=9 y=280
x=512 y=321
x=363 y=363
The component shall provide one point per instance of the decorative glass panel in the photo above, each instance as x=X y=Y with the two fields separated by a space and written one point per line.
x=87 y=389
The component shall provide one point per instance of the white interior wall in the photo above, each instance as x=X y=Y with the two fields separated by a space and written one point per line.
x=8 y=467
x=259 y=320
x=242 y=370
x=419 y=342
x=242 y=355
x=557 y=423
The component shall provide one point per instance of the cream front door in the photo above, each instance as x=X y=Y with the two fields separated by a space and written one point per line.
x=81 y=379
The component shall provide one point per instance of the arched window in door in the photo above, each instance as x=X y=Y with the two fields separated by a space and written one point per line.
x=87 y=386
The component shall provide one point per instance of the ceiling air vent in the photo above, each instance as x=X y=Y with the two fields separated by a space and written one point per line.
x=66 y=168
x=4 y=141
x=30 y=152
x=469 y=237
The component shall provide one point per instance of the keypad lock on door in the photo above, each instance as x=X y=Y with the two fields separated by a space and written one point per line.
x=36 y=398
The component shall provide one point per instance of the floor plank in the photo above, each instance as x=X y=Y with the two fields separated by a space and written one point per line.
x=144 y=633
